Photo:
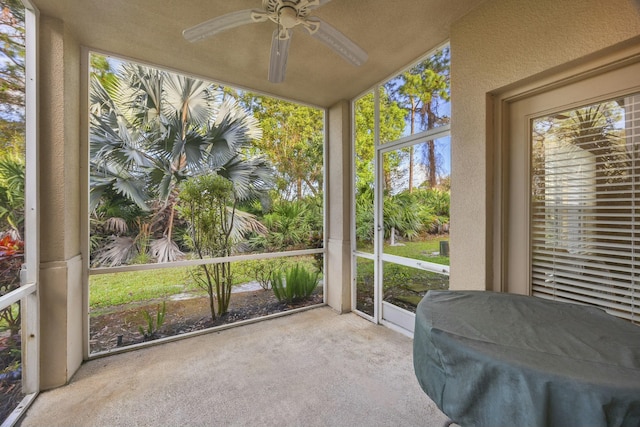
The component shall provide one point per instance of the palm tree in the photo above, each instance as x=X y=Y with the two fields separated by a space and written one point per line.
x=152 y=129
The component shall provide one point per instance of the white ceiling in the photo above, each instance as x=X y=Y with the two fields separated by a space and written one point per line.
x=393 y=32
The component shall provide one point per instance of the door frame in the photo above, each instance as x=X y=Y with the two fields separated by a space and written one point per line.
x=389 y=314
x=512 y=110
x=27 y=293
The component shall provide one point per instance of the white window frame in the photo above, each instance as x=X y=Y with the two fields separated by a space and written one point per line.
x=85 y=232
x=27 y=293
x=386 y=313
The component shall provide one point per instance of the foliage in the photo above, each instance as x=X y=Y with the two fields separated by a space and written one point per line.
x=11 y=258
x=208 y=204
x=100 y=69
x=408 y=214
x=10 y=374
x=12 y=194
x=290 y=225
x=113 y=289
x=153 y=324
x=292 y=140
x=298 y=284
x=12 y=77
x=263 y=269
x=435 y=205
x=149 y=131
x=391 y=126
x=421 y=91
x=416 y=98
x=364 y=214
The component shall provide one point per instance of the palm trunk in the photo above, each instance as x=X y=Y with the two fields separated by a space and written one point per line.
x=412 y=124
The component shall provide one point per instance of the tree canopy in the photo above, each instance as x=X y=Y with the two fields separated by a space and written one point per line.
x=12 y=76
x=292 y=139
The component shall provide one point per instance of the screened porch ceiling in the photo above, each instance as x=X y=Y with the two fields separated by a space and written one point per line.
x=394 y=33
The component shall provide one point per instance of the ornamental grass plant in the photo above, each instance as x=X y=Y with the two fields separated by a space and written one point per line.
x=294 y=284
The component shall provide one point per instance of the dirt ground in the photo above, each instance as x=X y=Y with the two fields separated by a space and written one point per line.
x=182 y=315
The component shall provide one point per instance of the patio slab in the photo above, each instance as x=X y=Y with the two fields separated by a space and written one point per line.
x=314 y=368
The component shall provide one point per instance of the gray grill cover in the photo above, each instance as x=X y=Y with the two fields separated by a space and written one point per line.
x=497 y=359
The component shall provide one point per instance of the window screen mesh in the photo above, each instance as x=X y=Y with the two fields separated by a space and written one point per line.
x=585 y=210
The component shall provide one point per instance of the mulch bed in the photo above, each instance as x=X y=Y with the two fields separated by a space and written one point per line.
x=186 y=315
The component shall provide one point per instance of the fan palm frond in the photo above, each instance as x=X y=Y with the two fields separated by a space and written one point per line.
x=116 y=225
x=244 y=223
x=154 y=129
x=165 y=250
x=251 y=176
x=118 y=251
x=189 y=100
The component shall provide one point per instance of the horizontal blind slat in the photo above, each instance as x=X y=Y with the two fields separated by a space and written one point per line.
x=614 y=291
x=584 y=298
x=585 y=206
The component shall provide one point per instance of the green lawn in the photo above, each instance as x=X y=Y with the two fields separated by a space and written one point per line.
x=423 y=249
x=120 y=288
x=402 y=284
x=106 y=290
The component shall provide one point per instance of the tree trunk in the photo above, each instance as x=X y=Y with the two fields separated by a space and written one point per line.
x=432 y=164
x=412 y=124
x=431 y=123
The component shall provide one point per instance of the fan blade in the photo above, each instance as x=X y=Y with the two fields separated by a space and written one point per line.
x=312 y=4
x=337 y=41
x=279 y=54
x=219 y=24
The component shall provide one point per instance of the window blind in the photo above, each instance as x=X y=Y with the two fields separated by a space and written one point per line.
x=585 y=206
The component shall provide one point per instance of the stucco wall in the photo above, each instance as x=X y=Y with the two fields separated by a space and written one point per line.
x=502 y=43
x=60 y=285
x=338 y=179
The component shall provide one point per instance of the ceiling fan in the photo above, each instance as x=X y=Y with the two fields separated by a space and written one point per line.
x=287 y=14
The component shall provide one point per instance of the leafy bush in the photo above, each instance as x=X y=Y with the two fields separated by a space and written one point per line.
x=364 y=214
x=208 y=204
x=288 y=225
x=12 y=169
x=11 y=258
x=438 y=203
x=263 y=269
x=401 y=214
x=299 y=283
x=409 y=215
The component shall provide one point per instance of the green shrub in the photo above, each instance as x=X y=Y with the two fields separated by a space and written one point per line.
x=298 y=284
x=153 y=325
x=262 y=270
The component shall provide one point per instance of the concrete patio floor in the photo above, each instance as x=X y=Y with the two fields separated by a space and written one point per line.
x=314 y=368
